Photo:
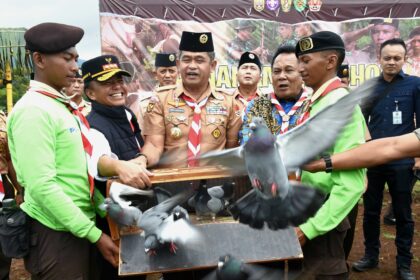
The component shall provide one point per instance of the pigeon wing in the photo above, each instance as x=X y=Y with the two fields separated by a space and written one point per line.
x=318 y=133
x=232 y=158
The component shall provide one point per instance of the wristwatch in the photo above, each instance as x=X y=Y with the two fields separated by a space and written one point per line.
x=328 y=163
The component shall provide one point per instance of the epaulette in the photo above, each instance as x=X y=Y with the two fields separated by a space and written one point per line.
x=164 y=88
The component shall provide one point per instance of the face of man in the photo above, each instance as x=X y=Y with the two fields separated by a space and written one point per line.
x=248 y=74
x=313 y=68
x=59 y=70
x=285 y=31
x=112 y=92
x=76 y=88
x=382 y=32
x=287 y=81
x=166 y=75
x=195 y=68
x=415 y=44
x=392 y=59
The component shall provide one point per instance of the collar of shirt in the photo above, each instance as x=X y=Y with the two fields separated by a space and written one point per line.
x=35 y=85
x=321 y=90
x=209 y=91
x=400 y=75
x=237 y=93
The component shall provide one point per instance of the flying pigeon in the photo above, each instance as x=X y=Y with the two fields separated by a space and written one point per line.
x=267 y=159
x=166 y=223
x=122 y=215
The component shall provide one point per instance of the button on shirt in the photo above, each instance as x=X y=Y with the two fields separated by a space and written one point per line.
x=405 y=92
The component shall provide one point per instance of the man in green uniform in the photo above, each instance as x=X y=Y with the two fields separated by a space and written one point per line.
x=320 y=55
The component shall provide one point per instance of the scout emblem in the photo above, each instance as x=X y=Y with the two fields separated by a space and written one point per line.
x=176 y=132
x=272 y=4
x=203 y=39
x=314 y=5
x=251 y=56
x=286 y=5
x=216 y=133
x=259 y=5
x=285 y=118
x=300 y=5
x=306 y=44
x=171 y=57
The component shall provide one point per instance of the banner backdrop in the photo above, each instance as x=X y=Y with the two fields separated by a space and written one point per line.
x=136 y=40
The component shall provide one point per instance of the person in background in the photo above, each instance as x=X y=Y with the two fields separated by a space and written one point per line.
x=75 y=93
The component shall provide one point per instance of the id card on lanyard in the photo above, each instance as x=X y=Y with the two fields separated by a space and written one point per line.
x=396 y=115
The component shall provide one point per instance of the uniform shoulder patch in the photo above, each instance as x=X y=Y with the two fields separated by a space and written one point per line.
x=165 y=88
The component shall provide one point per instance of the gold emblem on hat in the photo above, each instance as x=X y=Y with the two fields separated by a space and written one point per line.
x=203 y=38
x=388 y=20
x=345 y=72
x=216 y=133
x=171 y=57
x=108 y=59
x=306 y=44
x=251 y=56
x=176 y=132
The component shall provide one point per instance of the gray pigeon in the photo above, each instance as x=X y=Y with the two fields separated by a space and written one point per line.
x=267 y=159
x=230 y=268
x=122 y=215
x=160 y=224
x=210 y=201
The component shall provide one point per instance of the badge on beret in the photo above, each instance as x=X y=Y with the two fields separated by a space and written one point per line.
x=171 y=57
x=345 y=72
x=203 y=38
x=306 y=44
x=251 y=56
x=216 y=133
x=176 y=132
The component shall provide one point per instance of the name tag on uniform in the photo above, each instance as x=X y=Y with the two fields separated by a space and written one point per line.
x=397 y=117
x=216 y=110
x=176 y=110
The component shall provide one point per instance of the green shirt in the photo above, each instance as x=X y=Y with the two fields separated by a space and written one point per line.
x=344 y=187
x=47 y=152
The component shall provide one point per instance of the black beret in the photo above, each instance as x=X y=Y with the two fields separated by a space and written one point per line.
x=165 y=60
x=249 y=57
x=387 y=21
x=50 y=37
x=320 y=41
x=196 y=42
x=414 y=32
x=343 y=71
x=102 y=68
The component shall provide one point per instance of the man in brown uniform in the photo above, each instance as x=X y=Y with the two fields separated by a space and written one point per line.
x=248 y=76
x=192 y=118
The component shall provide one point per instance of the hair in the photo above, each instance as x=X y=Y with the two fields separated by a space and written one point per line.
x=212 y=55
x=283 y=49
x=394 y=41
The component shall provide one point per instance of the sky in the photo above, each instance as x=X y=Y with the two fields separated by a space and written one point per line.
x=82 y=13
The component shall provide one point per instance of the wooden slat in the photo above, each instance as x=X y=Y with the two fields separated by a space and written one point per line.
x=167 y=175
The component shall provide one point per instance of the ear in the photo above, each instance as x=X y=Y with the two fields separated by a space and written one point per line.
x=39 y=60
x=90 y=93
x=213 y=65
x=332 y=61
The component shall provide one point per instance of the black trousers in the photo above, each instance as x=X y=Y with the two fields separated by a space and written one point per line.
x=59 y=255
x=399 y=180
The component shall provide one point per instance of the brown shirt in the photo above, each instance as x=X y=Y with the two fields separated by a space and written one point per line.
x=242 y=103
x=168 y=114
